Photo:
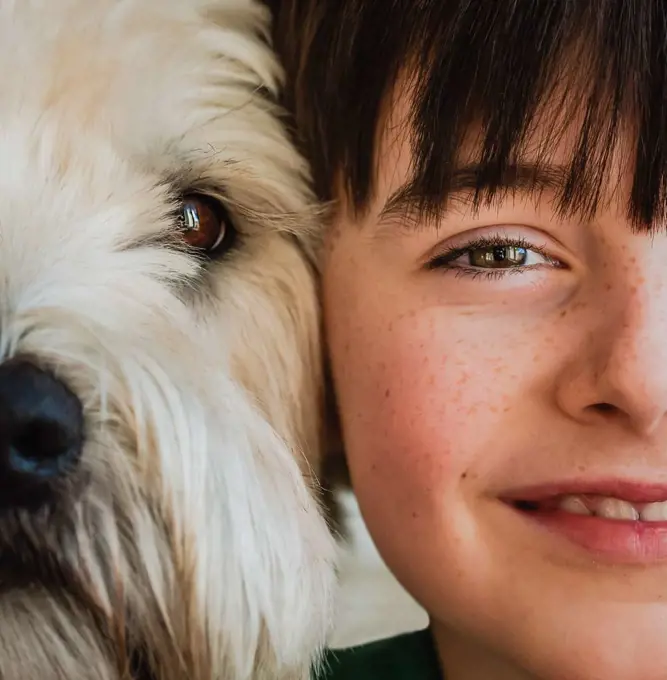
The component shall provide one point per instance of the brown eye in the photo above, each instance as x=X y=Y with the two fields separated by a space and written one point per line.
x=205 y=223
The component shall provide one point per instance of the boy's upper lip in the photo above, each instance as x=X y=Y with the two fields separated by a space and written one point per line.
x=633 y=491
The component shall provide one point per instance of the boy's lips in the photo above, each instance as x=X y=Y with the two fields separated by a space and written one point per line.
x=631 y=491
x=618 y=521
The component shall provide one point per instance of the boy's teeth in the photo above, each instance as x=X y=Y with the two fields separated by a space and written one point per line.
x=654 y=512
x=574 y=505
x=613 y=508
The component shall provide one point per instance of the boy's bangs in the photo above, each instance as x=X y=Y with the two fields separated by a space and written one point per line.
x=588 y=76
x=598 y=67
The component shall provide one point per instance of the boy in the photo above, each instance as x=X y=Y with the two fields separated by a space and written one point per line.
x=495 y=298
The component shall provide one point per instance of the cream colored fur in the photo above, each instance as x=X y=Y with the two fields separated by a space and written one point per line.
x=190 y=537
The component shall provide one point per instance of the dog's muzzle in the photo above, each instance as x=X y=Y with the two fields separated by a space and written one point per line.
x=41 y=433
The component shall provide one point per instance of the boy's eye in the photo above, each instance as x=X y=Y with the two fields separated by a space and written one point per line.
x=500 y=257
x=497 y=253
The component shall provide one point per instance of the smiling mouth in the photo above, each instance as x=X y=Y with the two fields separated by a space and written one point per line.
x=605 y=507
x=617 y=522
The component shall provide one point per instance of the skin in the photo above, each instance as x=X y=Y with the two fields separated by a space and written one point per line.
x=453 y=389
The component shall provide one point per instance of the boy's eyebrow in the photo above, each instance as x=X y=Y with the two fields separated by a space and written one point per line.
x=469 y=180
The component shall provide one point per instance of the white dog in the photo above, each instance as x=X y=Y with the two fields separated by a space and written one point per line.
x=159 y=378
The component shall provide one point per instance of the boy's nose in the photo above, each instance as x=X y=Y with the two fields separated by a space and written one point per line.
x=621 y=374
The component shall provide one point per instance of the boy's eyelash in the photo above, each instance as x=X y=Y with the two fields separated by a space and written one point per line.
x=487 y=274
x=443 y=259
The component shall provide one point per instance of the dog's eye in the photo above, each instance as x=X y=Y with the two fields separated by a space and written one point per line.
x=206 y=224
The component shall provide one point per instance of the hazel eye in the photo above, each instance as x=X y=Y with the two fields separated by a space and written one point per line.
x=501 y=257
x=205 y=224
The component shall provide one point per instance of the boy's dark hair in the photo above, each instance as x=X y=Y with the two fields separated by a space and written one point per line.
x=488 y=63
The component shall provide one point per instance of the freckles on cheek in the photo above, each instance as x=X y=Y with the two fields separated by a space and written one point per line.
x=395 y=412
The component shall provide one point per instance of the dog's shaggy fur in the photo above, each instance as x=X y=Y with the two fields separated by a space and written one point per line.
x=187 y=542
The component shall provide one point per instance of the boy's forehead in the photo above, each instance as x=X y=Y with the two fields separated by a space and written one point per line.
x=542 y=160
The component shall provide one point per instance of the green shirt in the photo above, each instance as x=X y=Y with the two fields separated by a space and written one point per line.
x=406 y=657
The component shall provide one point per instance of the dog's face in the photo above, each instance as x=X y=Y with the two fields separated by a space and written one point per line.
x=159 y=383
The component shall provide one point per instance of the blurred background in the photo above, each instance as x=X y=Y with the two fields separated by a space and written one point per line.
x=371 y=604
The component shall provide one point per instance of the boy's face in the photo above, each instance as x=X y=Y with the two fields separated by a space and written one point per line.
x=502 y=384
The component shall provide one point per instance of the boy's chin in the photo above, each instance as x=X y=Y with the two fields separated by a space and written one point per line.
x=615 y=641
x=546 y=606
x=581 y=618
x=627 y=648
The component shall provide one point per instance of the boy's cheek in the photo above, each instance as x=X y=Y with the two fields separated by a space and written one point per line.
x=413 y=415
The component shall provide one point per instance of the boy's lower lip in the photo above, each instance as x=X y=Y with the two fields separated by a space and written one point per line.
x=615 y=541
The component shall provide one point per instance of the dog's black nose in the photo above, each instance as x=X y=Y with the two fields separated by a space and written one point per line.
x=41 y=431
